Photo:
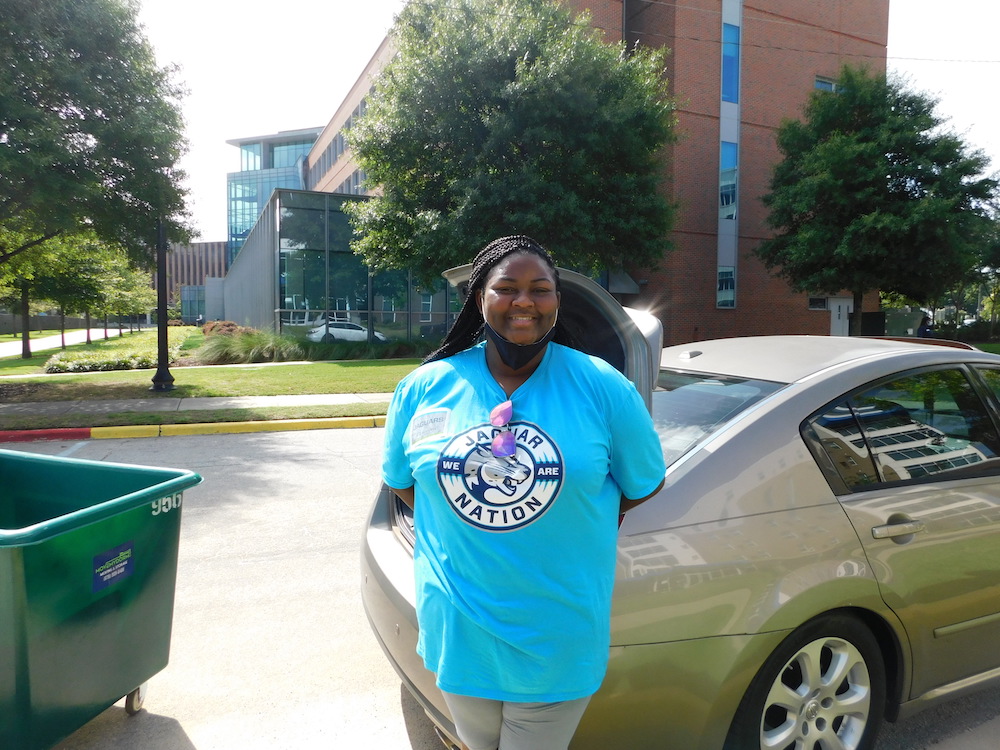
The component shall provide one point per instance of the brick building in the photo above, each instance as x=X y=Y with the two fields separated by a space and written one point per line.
x=188 y=266
x=738 y=68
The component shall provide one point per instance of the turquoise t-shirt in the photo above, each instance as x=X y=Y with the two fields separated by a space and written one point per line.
x=515 y=558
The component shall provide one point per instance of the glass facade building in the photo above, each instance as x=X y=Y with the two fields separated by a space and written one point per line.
x=266 y=163
x=303 y=238
x=192 y=304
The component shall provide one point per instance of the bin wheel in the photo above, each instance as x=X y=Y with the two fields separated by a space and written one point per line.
x=135 y=699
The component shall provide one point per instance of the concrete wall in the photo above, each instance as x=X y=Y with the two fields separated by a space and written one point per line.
x=250 y=296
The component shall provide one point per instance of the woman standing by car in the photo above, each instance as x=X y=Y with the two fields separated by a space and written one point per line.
x=517 y=454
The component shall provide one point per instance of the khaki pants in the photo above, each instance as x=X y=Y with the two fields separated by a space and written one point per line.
x=484 y=724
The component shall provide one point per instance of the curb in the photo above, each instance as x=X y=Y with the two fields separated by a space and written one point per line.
x=204 y=428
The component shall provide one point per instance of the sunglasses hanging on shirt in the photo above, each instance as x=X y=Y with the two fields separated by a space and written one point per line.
x=503 y=444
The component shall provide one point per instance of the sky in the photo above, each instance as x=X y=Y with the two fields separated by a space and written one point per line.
x=295 y=50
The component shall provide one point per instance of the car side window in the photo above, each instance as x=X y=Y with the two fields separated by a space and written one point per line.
x=929 y=424
x=991 y=376
x=840 y=436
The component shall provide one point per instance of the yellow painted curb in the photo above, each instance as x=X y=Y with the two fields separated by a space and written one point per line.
x=133 y=431
x=275 y=425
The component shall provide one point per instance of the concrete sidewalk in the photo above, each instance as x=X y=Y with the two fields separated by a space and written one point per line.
x=167 y=405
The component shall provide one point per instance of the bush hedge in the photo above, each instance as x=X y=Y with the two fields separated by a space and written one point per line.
x=135 y=352
x=225 y=328
x=246 y=346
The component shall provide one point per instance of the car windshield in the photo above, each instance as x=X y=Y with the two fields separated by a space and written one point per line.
x=690 y=406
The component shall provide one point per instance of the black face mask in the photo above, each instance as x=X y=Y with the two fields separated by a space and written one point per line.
x=516 y=356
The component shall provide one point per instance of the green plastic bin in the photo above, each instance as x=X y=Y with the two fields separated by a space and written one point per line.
x=88 y=565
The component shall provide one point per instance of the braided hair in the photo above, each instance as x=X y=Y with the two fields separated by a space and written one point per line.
x=468 y=326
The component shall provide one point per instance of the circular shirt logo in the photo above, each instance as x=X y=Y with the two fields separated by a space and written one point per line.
x=505 y=493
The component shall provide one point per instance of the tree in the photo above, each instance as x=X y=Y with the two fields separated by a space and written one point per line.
x=990 y=259
x=19 y=277
x=90 y=130
x=873 y=193
x=79 y=275
x=505 y=117
x=131 y=295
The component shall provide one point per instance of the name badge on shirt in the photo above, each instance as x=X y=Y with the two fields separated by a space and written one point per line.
x=428 y=424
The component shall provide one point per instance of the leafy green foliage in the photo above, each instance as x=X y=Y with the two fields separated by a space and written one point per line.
x=873 y=193
x=354 y=350
x=246 y=345
x=78 y=273
x=228 y=343
x=510 y=116
x=90 y=128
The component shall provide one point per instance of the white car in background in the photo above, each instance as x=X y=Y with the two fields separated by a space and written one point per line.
x=337 y=330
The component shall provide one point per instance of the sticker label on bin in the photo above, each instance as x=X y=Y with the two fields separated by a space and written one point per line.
x=113 y=566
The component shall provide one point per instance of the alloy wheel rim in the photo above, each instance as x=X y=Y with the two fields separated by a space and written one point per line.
x=820 y=699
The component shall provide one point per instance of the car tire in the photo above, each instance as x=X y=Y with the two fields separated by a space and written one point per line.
x=328 y=338
x=824 y=686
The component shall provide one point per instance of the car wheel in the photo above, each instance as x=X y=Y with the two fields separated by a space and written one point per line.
x=823 y=687
x=328 y=338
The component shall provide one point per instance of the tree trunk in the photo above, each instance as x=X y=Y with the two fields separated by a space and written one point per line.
x=62 y=327
x=86 y=319
x=856 y=313
x=25 y=324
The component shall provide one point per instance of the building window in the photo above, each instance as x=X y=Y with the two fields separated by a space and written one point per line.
x=730 y=63
x=725 y=296
x=728 y=162
x=250 y=157
x=287 y=154
x=825 y=84
x=818 y=303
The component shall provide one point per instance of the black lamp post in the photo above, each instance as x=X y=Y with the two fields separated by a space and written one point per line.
x=162 y=380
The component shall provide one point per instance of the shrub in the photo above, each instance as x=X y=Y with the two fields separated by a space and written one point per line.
x=247 y=345
x=225 y=328
x=100 y=361
x=392 y=349
x=978 y=331
x=132 y=353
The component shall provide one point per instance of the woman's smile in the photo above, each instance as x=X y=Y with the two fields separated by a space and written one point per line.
x=519 y=299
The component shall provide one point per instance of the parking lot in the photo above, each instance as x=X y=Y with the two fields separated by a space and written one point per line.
x=270 y=647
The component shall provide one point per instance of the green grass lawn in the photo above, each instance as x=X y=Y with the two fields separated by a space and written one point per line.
x=24 y=381
x=355 y=376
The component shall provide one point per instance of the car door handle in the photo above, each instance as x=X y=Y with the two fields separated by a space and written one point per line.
x=902 y=528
